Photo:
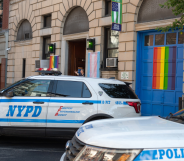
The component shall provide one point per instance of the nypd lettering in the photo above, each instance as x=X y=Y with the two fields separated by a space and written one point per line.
x=28 y=110
x=161 y=154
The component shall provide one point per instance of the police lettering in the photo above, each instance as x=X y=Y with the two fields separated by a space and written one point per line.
x=36 y=111
x=170 y=153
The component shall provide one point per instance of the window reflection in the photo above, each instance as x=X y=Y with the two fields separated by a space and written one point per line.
x=148 y=40
x=113 y=39
x=159 y=39
x=171 y=38
x=181 y=38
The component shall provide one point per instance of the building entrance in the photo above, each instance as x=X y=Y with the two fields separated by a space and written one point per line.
x=77 y=55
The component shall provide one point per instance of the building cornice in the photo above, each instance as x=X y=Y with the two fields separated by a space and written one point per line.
x=153 y=24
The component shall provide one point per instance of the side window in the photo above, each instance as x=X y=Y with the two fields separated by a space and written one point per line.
x=32 y=88
x=72 y=89
x=118 y=91
x=86 y=93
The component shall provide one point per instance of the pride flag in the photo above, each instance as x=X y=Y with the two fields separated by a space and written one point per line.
x=164 y=68
x=54 y=61
x=94 y=65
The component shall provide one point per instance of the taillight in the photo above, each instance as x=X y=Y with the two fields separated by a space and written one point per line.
x=136 y=106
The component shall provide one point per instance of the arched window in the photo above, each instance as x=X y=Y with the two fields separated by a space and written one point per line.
x=25 y=31
x=76 y=22
x=151 y=11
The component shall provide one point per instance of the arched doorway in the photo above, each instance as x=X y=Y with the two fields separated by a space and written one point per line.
x=76 y=22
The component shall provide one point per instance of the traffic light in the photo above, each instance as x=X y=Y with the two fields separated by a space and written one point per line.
x=91 y=44
x=51 y=48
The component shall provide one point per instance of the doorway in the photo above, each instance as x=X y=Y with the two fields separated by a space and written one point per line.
x=76 y=55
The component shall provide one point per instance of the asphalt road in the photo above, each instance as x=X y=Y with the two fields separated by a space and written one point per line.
x=31 y=149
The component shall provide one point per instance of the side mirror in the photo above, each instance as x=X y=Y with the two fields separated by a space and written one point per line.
x=9 y=94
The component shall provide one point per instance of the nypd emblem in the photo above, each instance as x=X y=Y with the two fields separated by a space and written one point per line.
x=100 y=93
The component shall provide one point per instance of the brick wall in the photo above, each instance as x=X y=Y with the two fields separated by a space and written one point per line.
x=3 y=70
x=5 y=14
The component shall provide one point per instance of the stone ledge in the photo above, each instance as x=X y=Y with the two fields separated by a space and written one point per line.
x=23 y=43
x=153 y=24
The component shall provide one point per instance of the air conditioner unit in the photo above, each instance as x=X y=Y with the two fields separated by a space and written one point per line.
x=111 y=62
x=42 y=64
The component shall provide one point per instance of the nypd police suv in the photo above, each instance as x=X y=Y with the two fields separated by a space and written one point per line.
x=59 y=105
x=129 y=139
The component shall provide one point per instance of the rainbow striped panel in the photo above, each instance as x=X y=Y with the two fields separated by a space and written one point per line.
x=164 y=68
x=54 y=61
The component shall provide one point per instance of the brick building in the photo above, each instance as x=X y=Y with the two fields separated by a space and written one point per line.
x=34 y=24
x=4 y=17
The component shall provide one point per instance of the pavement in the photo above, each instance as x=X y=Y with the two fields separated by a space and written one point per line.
x=31 y=149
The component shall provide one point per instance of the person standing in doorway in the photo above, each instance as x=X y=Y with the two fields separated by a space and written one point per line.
x=81 y=73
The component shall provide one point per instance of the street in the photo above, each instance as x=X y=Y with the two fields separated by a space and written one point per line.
x=31 y=149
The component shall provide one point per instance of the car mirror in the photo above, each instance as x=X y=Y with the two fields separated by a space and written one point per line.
x=9 y=94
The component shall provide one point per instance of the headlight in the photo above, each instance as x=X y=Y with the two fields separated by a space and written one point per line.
x=90 y=153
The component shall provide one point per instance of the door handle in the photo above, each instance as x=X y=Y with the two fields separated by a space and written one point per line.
x=38 y=102
x=87 y=103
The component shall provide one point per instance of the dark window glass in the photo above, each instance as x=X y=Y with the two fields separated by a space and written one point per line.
x=27 y=36
x=32 y=88
x=46 y=41
x=69 y=89
x=25 y=31
x=1 y=13
x=47 y=21
x=171 y=38
x=148 y=40
x=181 y=38
x=118 y=91
x=86 y=93
x=24 y=68
x=159 y=39
x=108 y=7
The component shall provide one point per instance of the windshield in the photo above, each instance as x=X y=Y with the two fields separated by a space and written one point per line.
x=177 y=117
x=11 y=85
x=179 y=113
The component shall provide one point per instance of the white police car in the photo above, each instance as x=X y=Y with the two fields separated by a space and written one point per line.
x=129 y=139
x=59 y=105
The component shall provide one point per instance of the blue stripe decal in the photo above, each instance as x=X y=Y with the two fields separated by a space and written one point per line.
x=41 y=121
x=51 y=101
x=147 y=155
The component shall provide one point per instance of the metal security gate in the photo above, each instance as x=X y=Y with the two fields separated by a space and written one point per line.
x=159 y=76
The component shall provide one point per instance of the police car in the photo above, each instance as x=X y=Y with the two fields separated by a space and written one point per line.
x=129 y=139
x=58 y=105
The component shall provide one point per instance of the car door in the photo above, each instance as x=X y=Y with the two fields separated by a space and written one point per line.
x=27 y=109
x=72 y=104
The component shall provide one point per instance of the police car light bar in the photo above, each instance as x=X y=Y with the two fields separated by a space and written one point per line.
x=49 y=71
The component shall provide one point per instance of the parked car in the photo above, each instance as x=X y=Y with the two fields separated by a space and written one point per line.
x=129 y=139
x=58 y=105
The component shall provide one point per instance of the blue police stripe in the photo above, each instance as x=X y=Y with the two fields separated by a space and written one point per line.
x=147 y=155
x=41 y=121
x=50 y=100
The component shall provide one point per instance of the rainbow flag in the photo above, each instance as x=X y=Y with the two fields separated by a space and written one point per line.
x=164 y=68
x=54 y=61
